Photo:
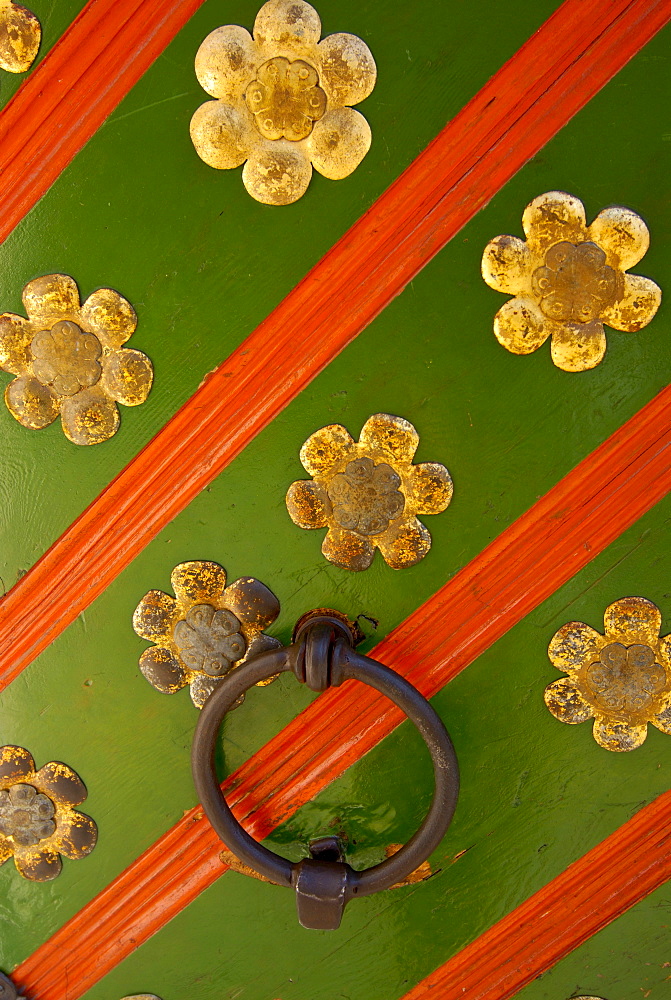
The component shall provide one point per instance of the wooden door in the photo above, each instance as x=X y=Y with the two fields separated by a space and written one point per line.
x=551 y=882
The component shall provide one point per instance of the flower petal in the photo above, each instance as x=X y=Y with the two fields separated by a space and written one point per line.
x=347 y=70
x=162 y=670
x=429 y=488
x=16 y=334
x=251 y=602
x=60 y=783
x=553 y=217
x=633 y=620
x=39 y=866
x=51 y=298
x=520 y=326
x=394 y=436
x=574 y=645
x=577 y=347
x=223 y=135
x=198 y=581
x=566 y=703
x=110 y=317
x=326 y=448
x=15 y=763
x=6 y=851
x=79 y=837
x=663 y=721
x=127 y=376
x=226 y=62
x=287 y=28
x=20 y=34
x=618 y=736
x=261 y=643
x=34 y=405
x=507 y=265
x=347 y=549
x=277 y=173
x=153 y=617
x=306 y=503
x=89 y=417
x=338 y=143
x=639 y=303
x=622 y=234
x=202 y=686
x=404 y=544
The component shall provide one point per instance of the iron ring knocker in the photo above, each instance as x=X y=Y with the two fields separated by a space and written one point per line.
x=323 y=656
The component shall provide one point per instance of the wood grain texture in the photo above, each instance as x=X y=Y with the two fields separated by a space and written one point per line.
x=81 y=80
x=529 y=561
x=552 y=76
x=607 y=881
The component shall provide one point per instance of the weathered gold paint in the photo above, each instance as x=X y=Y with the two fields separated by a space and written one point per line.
x=20 y=36
x=44 y=812
x=569 y=279
x=621 y=679
x=369 y=493
x=419 y=875
x=69 y=360
x=283 y=101
x=206 y=630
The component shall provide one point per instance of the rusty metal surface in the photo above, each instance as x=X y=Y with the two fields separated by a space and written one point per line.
x=283 y=101
x=621 y=679
x=69 y=359
x=38 y=821
x=569 y=279
x=20 y=36
x=368 y=493
x=205 y=631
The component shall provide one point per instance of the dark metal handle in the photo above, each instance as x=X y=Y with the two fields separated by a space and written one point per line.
x=322 y=656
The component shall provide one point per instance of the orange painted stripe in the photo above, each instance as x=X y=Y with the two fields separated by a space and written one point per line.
x=554 y=74
x=592 y=892
x=81 y=80
x=559 y=535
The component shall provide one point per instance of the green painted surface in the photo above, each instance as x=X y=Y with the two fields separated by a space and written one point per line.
x=628 y=960
x=536 y=795
x=203 y=263
x=199 y=259
x=54 y=19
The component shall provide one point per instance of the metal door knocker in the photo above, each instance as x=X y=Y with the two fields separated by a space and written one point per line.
x=322 y=655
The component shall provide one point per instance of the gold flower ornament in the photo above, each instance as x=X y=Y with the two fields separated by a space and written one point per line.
x=283 y=101
x=205 y=631
x=621 y=679
x=369 y=493
x=569 y=279
x=69 y=359
x=38 y=821
x=20 y=35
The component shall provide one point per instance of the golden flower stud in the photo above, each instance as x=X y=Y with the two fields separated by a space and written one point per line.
x=569 y=279
x=369 y=493
x=20 y=35
x=69 y=359
x=283 y=101
x=621 y=679
x=205 y=631
x=38 y=821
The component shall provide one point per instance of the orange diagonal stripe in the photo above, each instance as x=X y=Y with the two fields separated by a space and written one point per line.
x=552 y=76
x=617 y=874
x=559 y=535
x=90 y=69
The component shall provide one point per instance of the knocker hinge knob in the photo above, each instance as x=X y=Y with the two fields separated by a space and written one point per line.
x=315 y=638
